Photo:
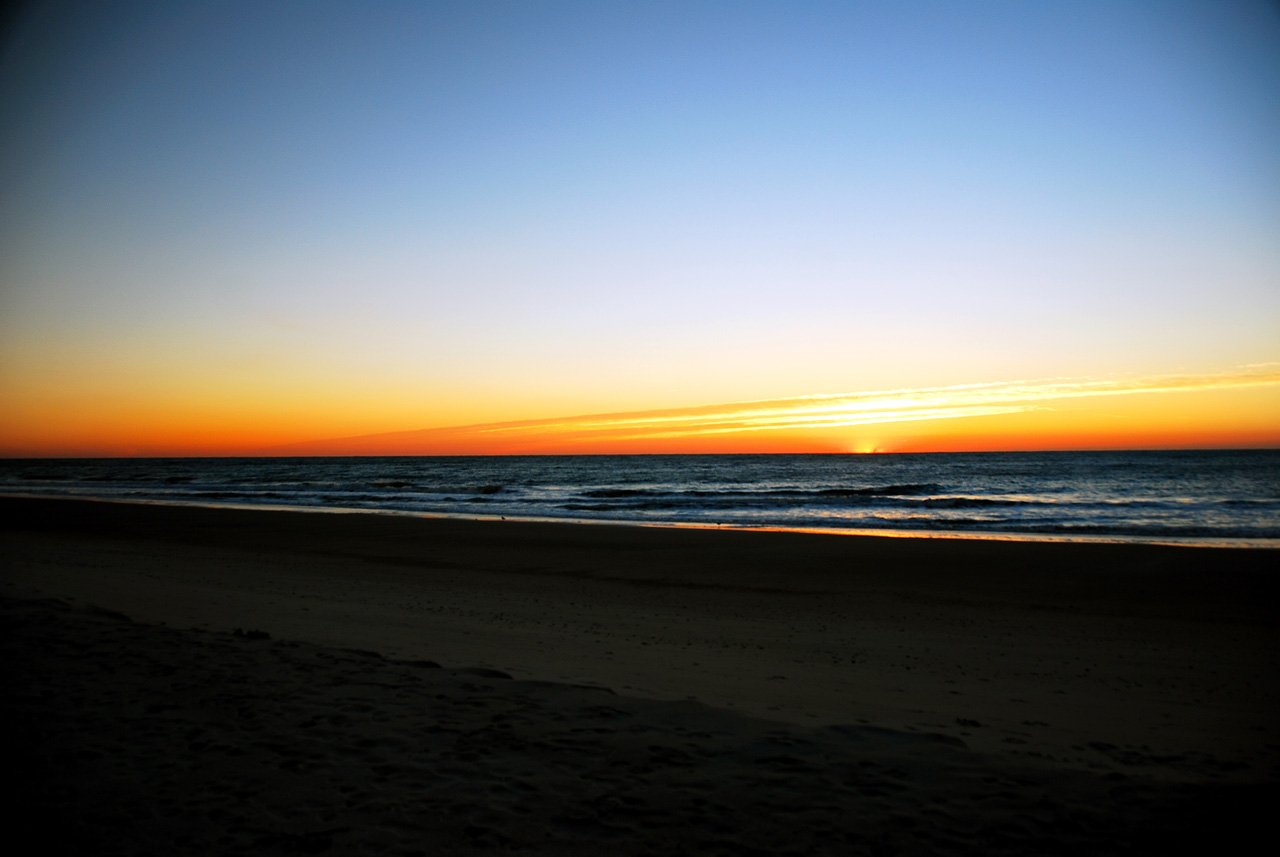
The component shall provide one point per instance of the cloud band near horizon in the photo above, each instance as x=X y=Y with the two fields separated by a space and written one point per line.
x=813 y=412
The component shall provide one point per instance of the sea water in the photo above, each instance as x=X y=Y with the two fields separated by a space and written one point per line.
x=1206 y=497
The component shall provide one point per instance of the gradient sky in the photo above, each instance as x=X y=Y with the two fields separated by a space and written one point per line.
x=229 y=227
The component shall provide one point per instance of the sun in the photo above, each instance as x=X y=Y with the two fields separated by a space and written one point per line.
x=865 y=446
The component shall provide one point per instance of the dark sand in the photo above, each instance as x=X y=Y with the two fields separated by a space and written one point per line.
x=671 y=691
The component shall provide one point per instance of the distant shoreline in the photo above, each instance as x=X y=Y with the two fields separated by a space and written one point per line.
x=877 y=533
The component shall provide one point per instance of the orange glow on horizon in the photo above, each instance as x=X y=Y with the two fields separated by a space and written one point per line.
x=1232 y=409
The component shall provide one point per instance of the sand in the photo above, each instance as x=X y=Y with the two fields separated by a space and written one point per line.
x=627 y=690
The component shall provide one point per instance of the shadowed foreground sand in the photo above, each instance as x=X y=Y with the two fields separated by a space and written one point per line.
x=888 y=696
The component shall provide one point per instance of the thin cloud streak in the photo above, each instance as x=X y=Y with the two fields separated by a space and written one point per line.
x=814 y=412
x=865 y=408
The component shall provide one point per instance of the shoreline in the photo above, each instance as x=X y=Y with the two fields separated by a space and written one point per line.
x=1209 y=542
x=1107 y=666
x=368 y=580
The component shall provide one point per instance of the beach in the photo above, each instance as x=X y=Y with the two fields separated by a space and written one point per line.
x=204 y=680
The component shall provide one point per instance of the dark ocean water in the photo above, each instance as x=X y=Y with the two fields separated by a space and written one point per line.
x=1215 y=497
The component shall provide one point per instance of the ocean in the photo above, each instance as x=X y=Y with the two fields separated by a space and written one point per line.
x=1215 y=497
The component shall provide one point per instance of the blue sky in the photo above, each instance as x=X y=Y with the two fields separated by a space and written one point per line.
x=504 y=210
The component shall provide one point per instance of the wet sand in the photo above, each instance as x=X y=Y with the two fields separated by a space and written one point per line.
x=625 y=690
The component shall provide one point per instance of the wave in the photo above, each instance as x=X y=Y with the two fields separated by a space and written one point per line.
x=403 y=485
x=652 y=499
x=871 y=491
x=882 y=491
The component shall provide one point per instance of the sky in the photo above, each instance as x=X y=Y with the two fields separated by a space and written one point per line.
x=243 y=228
